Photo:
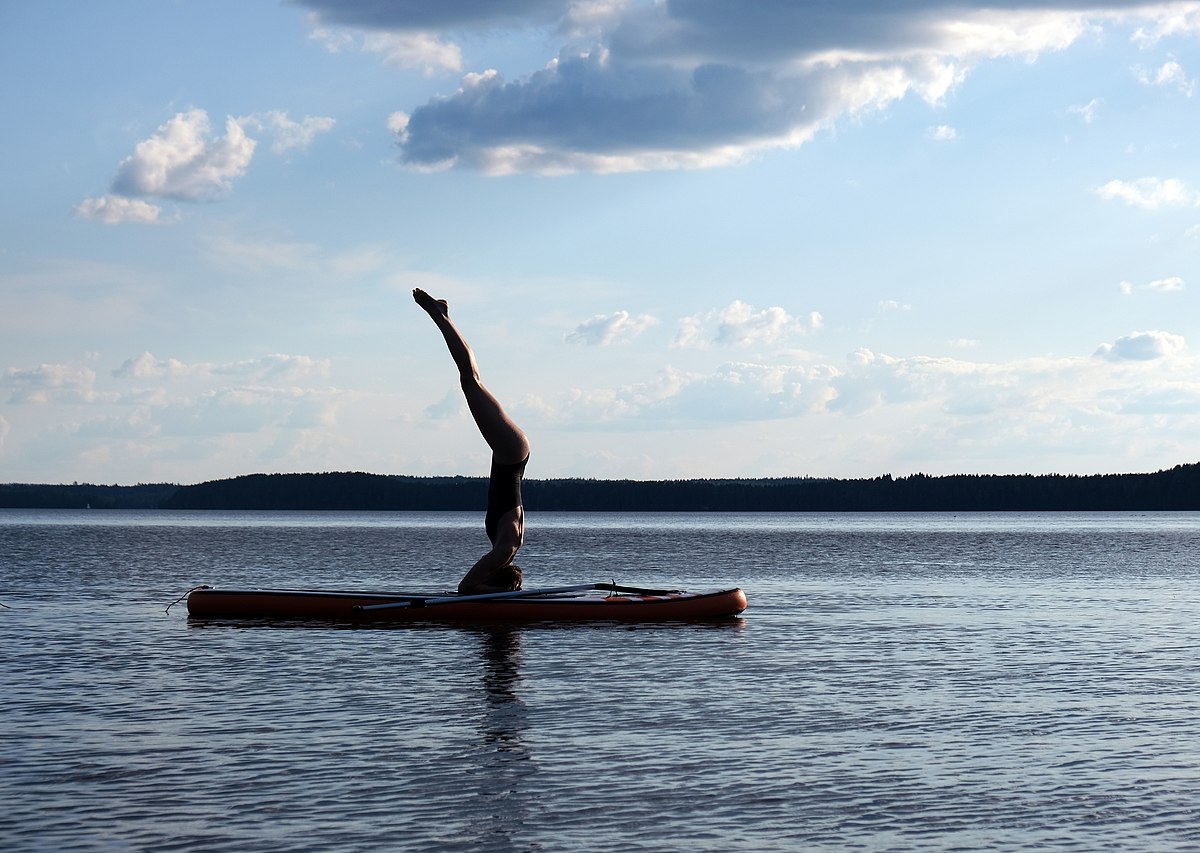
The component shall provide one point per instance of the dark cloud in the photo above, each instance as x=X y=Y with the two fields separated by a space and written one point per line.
x=399 y=15
x=690 y=83
x=586 y=106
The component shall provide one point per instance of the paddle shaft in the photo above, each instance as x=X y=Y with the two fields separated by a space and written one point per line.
x=483 y=596
x=498 y=596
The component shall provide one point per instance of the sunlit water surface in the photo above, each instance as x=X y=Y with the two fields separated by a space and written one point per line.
x=900 y=682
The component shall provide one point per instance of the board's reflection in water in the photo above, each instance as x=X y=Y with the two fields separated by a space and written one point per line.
x=506 y=790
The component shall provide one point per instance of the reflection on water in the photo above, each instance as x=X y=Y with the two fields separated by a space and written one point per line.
x=507 y=716
x=506 y=790
x=1015 y=683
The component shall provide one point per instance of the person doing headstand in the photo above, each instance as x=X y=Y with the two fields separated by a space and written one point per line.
x=505 y=519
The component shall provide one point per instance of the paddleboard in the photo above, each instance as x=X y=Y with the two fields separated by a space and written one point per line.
x=582 y=603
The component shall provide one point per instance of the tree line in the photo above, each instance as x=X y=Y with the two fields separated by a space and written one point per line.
x=1177 y=488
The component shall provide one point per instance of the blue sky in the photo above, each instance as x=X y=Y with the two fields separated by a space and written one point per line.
x=686 y=239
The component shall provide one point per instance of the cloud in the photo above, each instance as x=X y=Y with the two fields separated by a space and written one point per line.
x=948 y=408
x=739 y=325
x=1142 y=346
x=1087 y=111
x=289 y=134
x=420 y=16
x=449 y=407
x=62 y=383
x=1172 y=284
x=184 y=162
x=1165 y=285
x=734 y=392
x=605 y=329
x=146 y=366
x=401 y=33
x=423 y=51
x=943 y=133
x=275 y=368
x=695 y=83
x=115 y=209
x=1149 y=193
x=1170 y=73
x=739 y=391
x=246 y=409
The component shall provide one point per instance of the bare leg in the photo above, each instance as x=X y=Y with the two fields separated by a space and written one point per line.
x=508 y=443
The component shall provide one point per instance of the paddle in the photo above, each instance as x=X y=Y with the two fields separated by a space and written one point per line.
x=483 y=596
x=497 y=596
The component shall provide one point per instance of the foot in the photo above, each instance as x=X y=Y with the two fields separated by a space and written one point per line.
x=433 y=307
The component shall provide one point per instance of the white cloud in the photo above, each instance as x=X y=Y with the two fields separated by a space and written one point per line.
x=1162 y=285
x=1142 y=346
x=5 y=429
x=397 y=123
x=640 y=86
x=289 y=134
x=946 y=409
x=1165 y=285
x=739 y=325
x=183 y=161
x=1087 y=111
x=943 y=133
x=1170 y=73
x=605 y=329
x=246 y=409
x=146 y=366
x=63 y=383
x=424 y=51
x=734 y=392
x=1149 y=193
x=891 y=306
x=404 y=48
x=275 y=368
x=115 y=209
x=1168 y=20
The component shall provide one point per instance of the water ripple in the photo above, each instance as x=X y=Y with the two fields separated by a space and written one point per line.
x=924 y=685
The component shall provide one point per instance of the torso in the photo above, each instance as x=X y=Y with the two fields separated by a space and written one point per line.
x=505 y=507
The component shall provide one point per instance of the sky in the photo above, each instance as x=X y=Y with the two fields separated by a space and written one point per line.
x=696 y=238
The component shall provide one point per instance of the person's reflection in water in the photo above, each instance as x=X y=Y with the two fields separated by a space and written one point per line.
x=506 y=771
x=506 y=716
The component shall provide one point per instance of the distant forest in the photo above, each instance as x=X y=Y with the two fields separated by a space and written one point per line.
x=1174 y=489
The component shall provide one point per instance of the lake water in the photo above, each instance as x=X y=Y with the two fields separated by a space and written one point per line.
x=899 y=682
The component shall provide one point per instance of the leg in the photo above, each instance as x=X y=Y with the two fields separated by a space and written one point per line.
x=508 y=443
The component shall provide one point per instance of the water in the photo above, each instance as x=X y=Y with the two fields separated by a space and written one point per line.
x=900 y=682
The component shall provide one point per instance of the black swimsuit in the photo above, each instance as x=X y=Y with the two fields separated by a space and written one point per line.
x=504 y=493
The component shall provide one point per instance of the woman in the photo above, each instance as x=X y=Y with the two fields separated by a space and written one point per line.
x=505 y=519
